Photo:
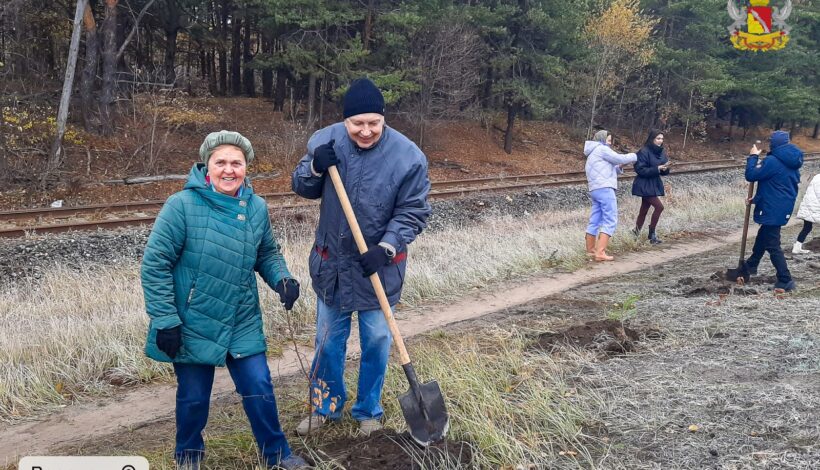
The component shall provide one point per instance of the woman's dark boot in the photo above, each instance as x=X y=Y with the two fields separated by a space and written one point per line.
x=653 y=237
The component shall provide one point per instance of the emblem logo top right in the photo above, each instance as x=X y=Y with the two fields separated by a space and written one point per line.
x=765 y=26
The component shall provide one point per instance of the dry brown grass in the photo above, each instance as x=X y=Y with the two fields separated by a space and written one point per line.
x=71 y=335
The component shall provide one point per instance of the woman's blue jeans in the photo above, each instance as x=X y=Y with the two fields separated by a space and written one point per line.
x=251 y=377
x=328 y=393
x=604 y=215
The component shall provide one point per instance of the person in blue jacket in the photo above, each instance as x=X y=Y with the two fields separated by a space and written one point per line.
x=385 y=175
x=777 y=175
x=653 y=162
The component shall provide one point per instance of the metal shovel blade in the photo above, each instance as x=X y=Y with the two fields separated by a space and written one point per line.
x=741 y=272
x=424 y=411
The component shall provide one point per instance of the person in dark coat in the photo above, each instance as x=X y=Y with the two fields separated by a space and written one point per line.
x=777 y=175
x=385 y=175
x=653 y=162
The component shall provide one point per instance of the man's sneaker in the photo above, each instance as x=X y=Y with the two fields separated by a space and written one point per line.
x=369 y=426
x=293 y=462
x=786 y=286
x=310 y=424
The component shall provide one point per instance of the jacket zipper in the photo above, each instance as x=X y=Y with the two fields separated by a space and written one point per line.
x=190 y=296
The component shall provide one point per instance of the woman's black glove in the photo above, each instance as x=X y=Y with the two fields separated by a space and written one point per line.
x=288 y=290
x=324 y=157
x=170 y=340
x=375 y=258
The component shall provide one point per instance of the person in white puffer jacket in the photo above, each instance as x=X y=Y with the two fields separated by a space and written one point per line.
x=602 y=169
x=809 y=212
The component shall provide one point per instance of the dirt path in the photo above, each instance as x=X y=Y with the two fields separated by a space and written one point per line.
x=136 y=408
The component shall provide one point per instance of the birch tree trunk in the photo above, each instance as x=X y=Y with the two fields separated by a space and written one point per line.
x=55 y=157
x=688 y=113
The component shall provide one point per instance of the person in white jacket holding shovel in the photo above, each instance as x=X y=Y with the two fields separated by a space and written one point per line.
x=809 y=212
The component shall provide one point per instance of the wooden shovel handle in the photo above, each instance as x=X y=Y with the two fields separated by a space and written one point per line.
x=746 y=223
x=374 y=278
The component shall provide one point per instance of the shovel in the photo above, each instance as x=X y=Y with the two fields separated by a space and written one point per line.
x=742 y=271
x=422 y=405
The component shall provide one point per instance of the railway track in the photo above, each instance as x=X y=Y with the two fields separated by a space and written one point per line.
x=107 y=216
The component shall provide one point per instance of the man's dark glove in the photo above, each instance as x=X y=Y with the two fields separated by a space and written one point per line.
x=170 y=340
x=375 y=258
x=324 y=157
x=288 y=290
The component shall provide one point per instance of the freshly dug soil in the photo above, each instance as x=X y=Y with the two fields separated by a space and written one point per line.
x=718 y=285
x=387 y=450
x=607 y=336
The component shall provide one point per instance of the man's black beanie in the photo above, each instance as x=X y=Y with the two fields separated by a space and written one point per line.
x=363 y=97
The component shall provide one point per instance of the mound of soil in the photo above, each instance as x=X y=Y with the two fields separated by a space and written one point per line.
x=718 y=285
x=606 y=336
x=387 y=450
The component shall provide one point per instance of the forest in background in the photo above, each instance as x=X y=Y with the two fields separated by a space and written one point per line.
x=585 y=63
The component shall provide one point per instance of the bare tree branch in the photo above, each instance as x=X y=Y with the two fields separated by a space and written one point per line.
x=133 y=30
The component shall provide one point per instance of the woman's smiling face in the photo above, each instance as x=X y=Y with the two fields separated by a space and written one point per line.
x=227 y=169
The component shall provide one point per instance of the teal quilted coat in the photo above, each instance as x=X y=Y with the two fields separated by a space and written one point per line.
x=199 y=269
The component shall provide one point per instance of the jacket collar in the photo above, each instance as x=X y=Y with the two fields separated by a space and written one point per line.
x=197 y=181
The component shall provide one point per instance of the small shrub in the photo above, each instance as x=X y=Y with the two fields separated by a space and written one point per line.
x=625 y=309
x=34 y=127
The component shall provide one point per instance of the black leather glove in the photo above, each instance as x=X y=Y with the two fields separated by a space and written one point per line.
x=324 y=157
x=288 y=290
x=170 y=340
x=375 y=258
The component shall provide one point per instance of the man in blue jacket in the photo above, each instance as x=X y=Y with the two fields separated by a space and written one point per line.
x=777 y=176
x=385 y=176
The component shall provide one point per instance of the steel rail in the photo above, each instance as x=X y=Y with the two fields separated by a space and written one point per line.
x=440 y=190
x=138 y=206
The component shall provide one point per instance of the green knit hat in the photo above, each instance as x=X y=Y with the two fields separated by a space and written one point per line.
x=215 y=139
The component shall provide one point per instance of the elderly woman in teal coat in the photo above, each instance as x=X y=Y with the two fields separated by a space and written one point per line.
x=199 y=280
